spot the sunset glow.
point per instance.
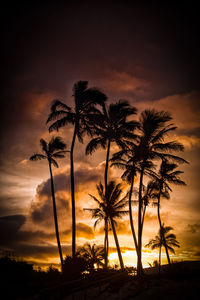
(128, 52)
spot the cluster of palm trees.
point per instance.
(141, 145)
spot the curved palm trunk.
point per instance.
(106, 167)
(159, 258)
(131, 215)
(73, 193)
(117, 244)
(107, 247)
(55, 217)
(161, 230)
(106, 244)
(143, 215)
(106, 188)
(140, 271)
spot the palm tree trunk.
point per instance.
(161, 229)
(106, 188)
(106, 244)
(55, 217)
(73, 193)
(143, 215)
(106, 167)
(140, 271)
(131, 215)
(117, 244)
(159, 258)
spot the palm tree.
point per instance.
(148, 195)
(110, 206)
(152, 145)
(167, 174)
(100, 215)
(93, 253)
(52, 150)
(128, 160)
(164, 238)
(112, 126)
(80, 117)
(130, 167)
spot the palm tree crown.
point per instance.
(154, 130)
(93, 253)
(167, 174)
(112, 125)
(52, 150)
(110, 207)
(85, 100)
(163, 238)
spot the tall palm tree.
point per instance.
(152, 145)
(112, 126)
(128, 163)
(52, 150)
(80, 116)
(110, 206)
(167, 174)
(128, 159)
(164, 238)
(93, 253)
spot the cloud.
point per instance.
(83, 231)
(184, 108)
(189, 142)
(9, 227)
(123, 83)
(194, 228)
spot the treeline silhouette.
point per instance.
(144, 150)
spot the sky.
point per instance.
(145, 53)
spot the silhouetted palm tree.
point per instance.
(52, 150)
(164, 238)
(112, 126)
(126, 160)
(80, 116)
(100, 215)
(147, 196)
(93, 253)
(129, 159)
(152, 146)
(167, 174)
(110, 206)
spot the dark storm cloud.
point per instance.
(62, 181)
(41, 208)
(9, 227)
(11, 234)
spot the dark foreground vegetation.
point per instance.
(20, 281)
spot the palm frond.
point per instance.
(53, 161)
(168, 147)
(94, 144)
(44, 145)
(59, 104)
(37, 156)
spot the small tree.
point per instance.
(93, 254)
(169, 240)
